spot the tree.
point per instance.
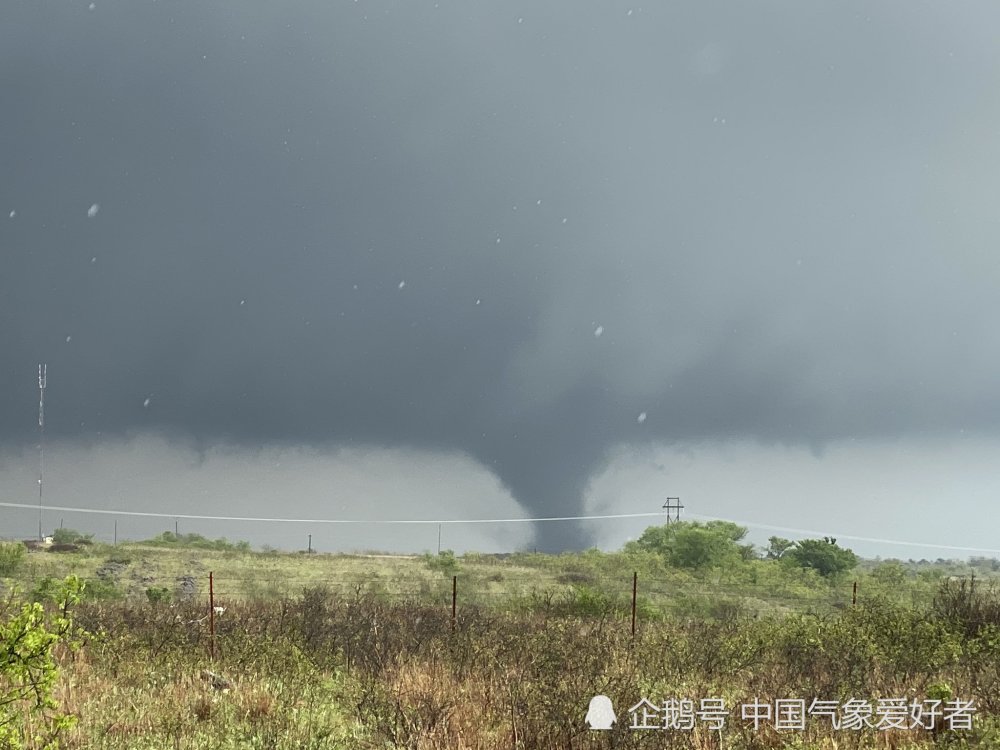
(778, 547)
(822, 555)
(690, 544)
(28, 671)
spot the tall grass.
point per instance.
(329, 670)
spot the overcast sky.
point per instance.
(471, 260)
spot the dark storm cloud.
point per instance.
(403, 223)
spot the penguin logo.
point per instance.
(601, 714)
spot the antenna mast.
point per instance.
(42, 373)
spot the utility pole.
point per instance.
(42, 376)
(673, 504)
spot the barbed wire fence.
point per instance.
(633, 599)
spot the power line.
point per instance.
(330, 520)
(610, 516)
(876, 540)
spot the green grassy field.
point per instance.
(337, 651)
(128, 570)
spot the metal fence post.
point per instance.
(211, 614)
(635, 586)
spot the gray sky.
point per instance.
(492, 235)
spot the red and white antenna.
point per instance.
(42, 374)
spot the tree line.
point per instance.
(696, 545)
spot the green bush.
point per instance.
(11, 558)
(709, 608)
(46, 590)
(98, 589)
(197, 541)
(444, 562)
(587, 601)
(122, 558)
(890, 574)
(71, 536)
(690, 544)
(28, 670)
(158, 594)
(50, 589)
(824, 556)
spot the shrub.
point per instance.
(119, 557)
(47, 590)
(445, 562)
(575, 576)
(587, 601)
(71, 536)
(99, 589)
(690, 544)
(824, 556)
(28, 673)
(158, 594)
(203, 708)
(197, 541)
(890, 574)
(11, 558)
(968, 609)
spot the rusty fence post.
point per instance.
(211, 614)
(454, 600)
(854, 595)
(635, 586)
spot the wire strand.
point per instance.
(455, 521)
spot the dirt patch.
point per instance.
(111, 570)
